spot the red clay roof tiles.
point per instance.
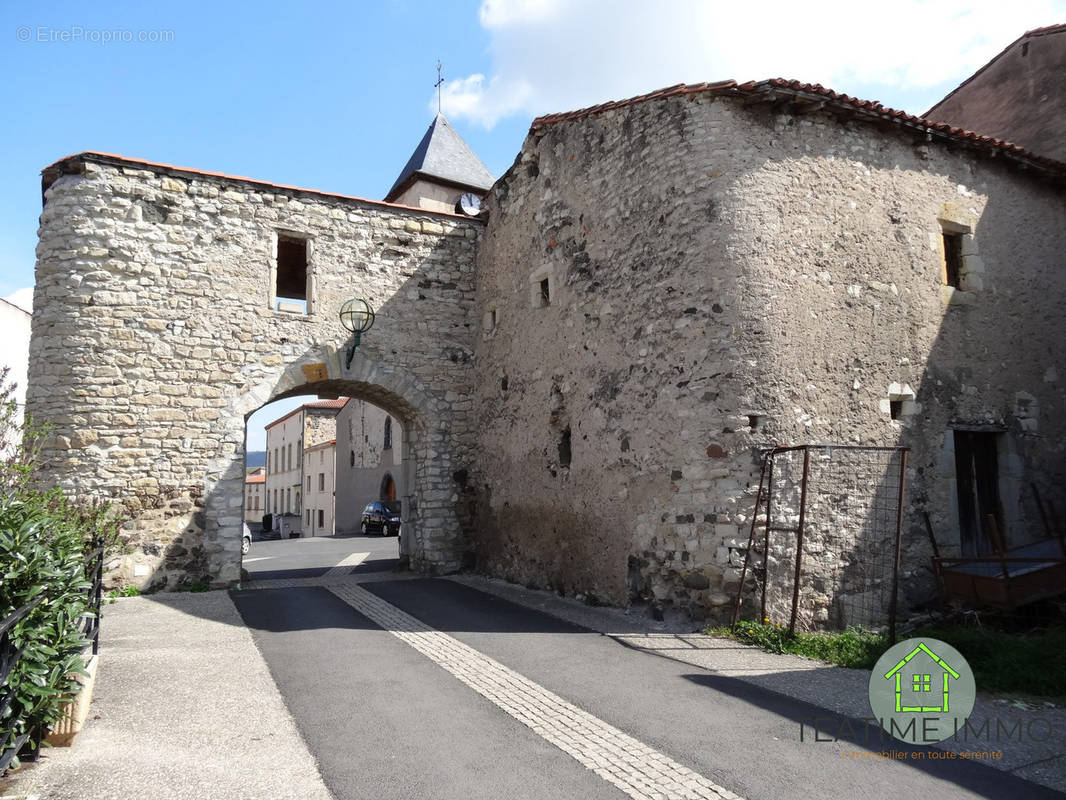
(780, 88)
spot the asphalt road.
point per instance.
(385, 721)
(314, 556)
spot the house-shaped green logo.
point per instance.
(922, 679)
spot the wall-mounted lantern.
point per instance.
(357, 316)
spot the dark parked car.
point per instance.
(379, 518)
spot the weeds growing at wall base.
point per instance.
(1028, 663)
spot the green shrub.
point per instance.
(44, 540)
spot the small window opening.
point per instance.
(492, 319)
(291, 288)
(952, 259)
(387, 445)
(321, 519)
(895, 408)
(753, 421)
(564, 449)
(351, 460)
(545, 293)
(503, 383)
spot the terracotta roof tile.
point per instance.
(259, 477)
(780, 88)
(338, 403)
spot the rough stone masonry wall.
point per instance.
(839, 228)
(153, 338)
(320, 425)
(724, 279)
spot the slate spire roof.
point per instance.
(442, 155)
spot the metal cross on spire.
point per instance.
(440, 80)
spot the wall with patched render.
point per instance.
(153, 338)
(726, 278)
(363, 462)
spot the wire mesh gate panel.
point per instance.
(823, 552)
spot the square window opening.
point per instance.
(895, 408)
(952, 259)
(291, 288)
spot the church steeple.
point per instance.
(440, 170)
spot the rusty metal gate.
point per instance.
(824, 548)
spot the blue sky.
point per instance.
(335, 95)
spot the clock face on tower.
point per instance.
(469, 204)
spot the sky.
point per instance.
(335, 95)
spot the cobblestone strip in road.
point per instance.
(346, 564)
(636, 769)
(325, 581)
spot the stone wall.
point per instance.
(154, 337)
(722, 278)
(363, 462)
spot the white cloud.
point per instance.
(23, 298)
(549, 55)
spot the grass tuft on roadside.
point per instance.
(1029, 663)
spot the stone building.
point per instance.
(254, 495)
(1019, 95)
(586, 377)
(288, 439)
(441, 170)
(319, 485)
(156, 331)
(370, 463)
(15, 333)
(776, 264)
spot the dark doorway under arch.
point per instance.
(388, 488)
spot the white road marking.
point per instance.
(345, 565)
(638, 770)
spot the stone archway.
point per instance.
(148, 401)
(432, 538)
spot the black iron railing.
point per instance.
(94, 571)
(10, 654)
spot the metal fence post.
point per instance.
(892, 608)
(799, 540)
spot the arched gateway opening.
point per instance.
(430, 528)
